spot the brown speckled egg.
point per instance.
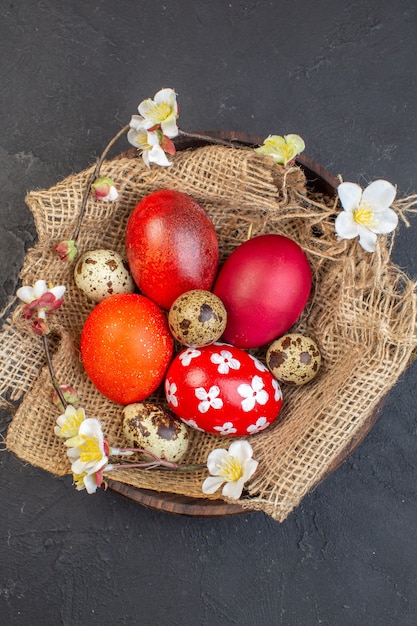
(197, 318)
(154, 428)
(102, 273)
(293, 359)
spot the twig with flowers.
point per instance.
(88, 450)
(152, 133)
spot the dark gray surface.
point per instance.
(341, 74)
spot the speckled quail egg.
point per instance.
(293, 359)
(102, 273)
(197, 318)
(154, 428)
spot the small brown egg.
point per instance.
(293, 359)
(197, 318)
(154, 428)
(102, 273)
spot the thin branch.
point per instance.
(52, 371)
(230, 143)
(94, 176)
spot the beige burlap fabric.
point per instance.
(362, 313)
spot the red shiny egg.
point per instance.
(264, 285)
(223, 390)
(171, 246)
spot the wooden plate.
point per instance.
(320, 180)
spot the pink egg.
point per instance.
(223, 390)
(264, 285)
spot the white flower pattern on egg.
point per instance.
(252, 394)
(225, 361)
(221, 390)
(260, 424)
(277, 389)
(170, 391)
(209, 399)
(226, 429)
(187, 356)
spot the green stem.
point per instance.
(94, 177)
(52, 371)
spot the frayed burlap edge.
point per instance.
(362, 313)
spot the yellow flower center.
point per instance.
(79, 480)
(72, 425)
(160, 112)
(89, 449)
(141, 139)
(230, 469)
(364, 215)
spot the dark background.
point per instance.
(343, 76)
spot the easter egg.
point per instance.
(197, 318)
(102, 273)
(126, 347)
(294, 359)
(264, 285)
(156, 429)
(223, 390)
(171, 246)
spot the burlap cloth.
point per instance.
(362, 313)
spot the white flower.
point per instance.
(68, 423)
(40, 301)
(90, 482)
(149, 143)
(170, 391)
(187, 355)
(34, 294)
(277, 390)
(252, 394)
(226, 429)
(208, 398)
(366, 213)
(225, 361)
(260, 424)
(161, 111)
(283, 150)
(231, 468)
(89, 452)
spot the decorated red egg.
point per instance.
(223, 390)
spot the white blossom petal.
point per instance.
(234, 489)
(211, 484)
(380, 194)
(350, 195)
(241, 449)
(215, 459)
(367, 239)
(58, 291)
(158, 156)
(26, 294)
(345, 225)
(250, 468)
(39, 288)
(388, 221)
